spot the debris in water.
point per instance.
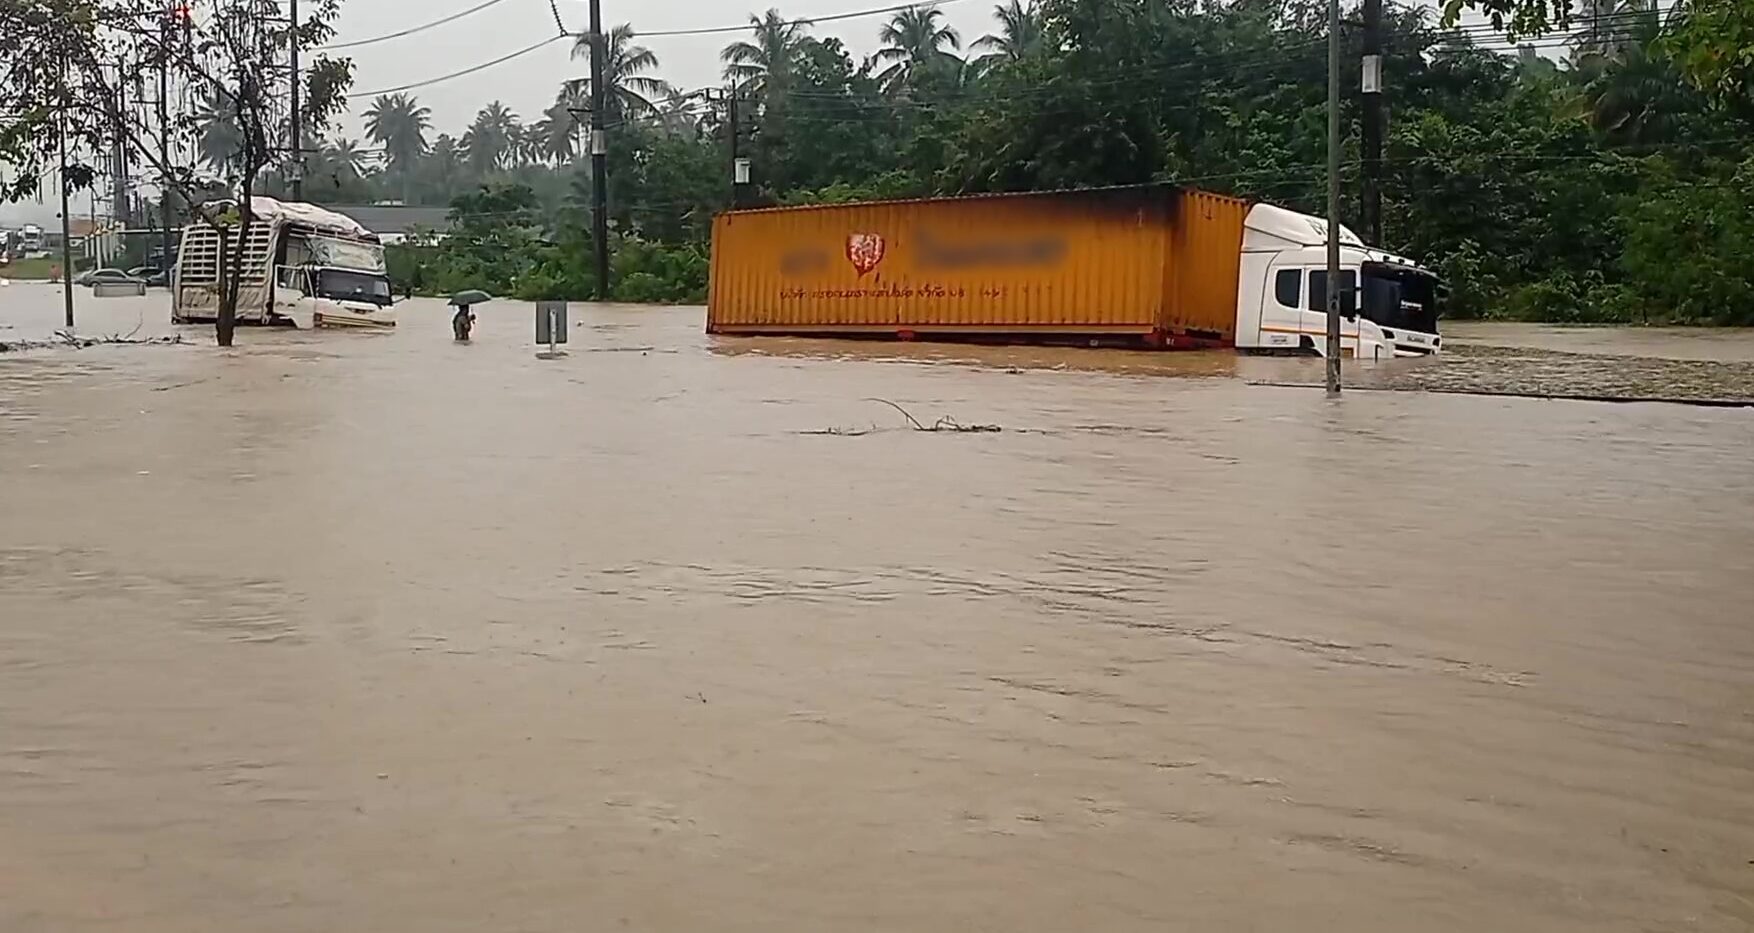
(944, 424)
(64, 338)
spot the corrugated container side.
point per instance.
(1205, 258)
(1032, 265)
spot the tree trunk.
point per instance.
(232, 266)
(224, 320)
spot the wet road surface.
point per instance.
(380, 632)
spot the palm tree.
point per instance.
(1634, 94)
(488, 145)
(335, 170)
(530, 146)
(443, 168)
(1609, 28)
(676, 116)
(558, 130)
(1019, 33)
(764, 62)
(216, 121)
(344, 157)
(628, 88)
(399, 124)
(915, 41)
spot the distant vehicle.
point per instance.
(1150, 265)
(151, 275)
(30, 239)
(92, 277)
(303, 265)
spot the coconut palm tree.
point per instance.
(488, 145)
(442, 171)
(1019, 34)
(532, 144)
(335, 170)
(676, 115)
(344, 157)
(1633, 93)
(764, 62)
(558, 130)
(399, 124)
(1609, 28)
(915, 41)
(216, 121)
(629, 89)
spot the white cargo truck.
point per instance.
(303, 266)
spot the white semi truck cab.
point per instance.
(1390, 304)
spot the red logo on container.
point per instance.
(865, 251)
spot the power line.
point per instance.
(565, 35)
(412, 29)
(803, 21)
(458, 74)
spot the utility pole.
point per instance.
(599, 155)
(737, 163)
(167, 261)
(734, 127)
(119, 150)
(66, 220)
(1333, 198)
(1373, 124)
(297, 167)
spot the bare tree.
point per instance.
(68, 67)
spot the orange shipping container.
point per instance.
(1151, 264)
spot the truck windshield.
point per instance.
(1401, 298)
(345, 285)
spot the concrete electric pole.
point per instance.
(66, 223)
(166, 32)
(1333, 198)
(1373, 125)
(734, 132)
(599, 155)
(297, 166)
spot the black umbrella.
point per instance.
(473, 296)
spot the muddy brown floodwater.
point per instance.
(380, 632)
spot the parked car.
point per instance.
(151, 275)
(94, 276)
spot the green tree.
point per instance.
(442, 173)
(1713, 40)
(559, 126)
(1689, 250)
(217, 122)
(489, 143)
(763, 64)
(399, 123)
(1019, 34)
(838, 127)
(629, 88)
(916, 40)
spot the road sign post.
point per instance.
(551, 325)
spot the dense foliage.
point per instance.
(1597, 174)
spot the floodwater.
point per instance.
(381, 632)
